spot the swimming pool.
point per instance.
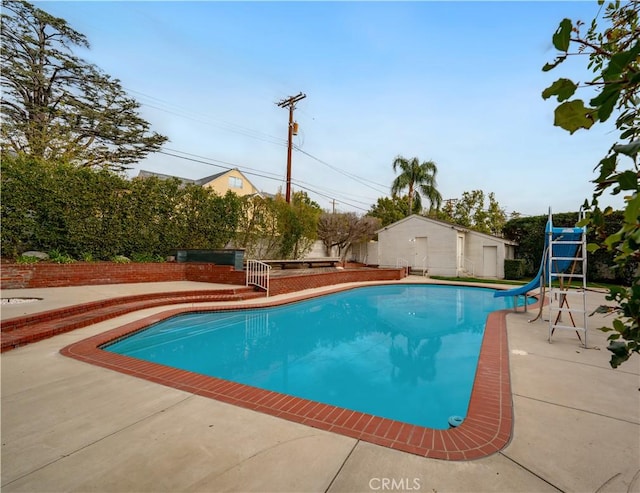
(486, 430)
(403, 352)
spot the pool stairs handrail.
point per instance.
(467, 264)
(425, 266)
(258, 274)
(403, 263)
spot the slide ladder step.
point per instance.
(568, 327)
(567, 310)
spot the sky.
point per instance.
(456, 83)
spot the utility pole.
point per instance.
(450, 203)
(290, 103)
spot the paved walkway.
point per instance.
(70, 426)
(32, 327)
(52, 298)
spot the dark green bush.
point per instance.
(514, 268)
(147, 258)
(59, 257)
(99, 214)
(529, 233)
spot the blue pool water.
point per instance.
(404, 352)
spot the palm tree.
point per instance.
(417, 178)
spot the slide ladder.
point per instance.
(567, 279)
(562, 277)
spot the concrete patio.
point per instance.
(71, 426)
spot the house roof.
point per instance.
(207, 179)
(200, 182)
(446, 224)
(149, 174)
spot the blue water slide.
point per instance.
(533, 284)
(565, 252)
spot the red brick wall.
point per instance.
(224, 274)
(42, 275)
(16, 276)
(282, 285)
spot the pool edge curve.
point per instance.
(486, 429)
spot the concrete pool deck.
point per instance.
(71, 426)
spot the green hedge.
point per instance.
(529, 233)
(98, 214)
(514, 268)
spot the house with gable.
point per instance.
(440, 248)
(233, 180)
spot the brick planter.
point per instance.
(290, 284)
(46, 275)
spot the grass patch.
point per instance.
(483, 281)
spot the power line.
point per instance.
(228, 165)
(342, 172)
(250, 171)
(216, 122)
(332, 198)
(255, 134)
(334, 193)
(248, 132)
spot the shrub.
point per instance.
(27, 259)
(514, 268)
(87, 257)
(59, 257)
(120, 259)
(97, 214)
(147, 258)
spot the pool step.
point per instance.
(24, 330)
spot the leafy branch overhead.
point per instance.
(613, 54)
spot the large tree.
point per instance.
(470, 211)
(417, 178)
(391, 209)
(343, 229)
(55, 105)
(269, 227)
(611, 46)
(297, 223)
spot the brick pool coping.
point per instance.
(486, 429)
